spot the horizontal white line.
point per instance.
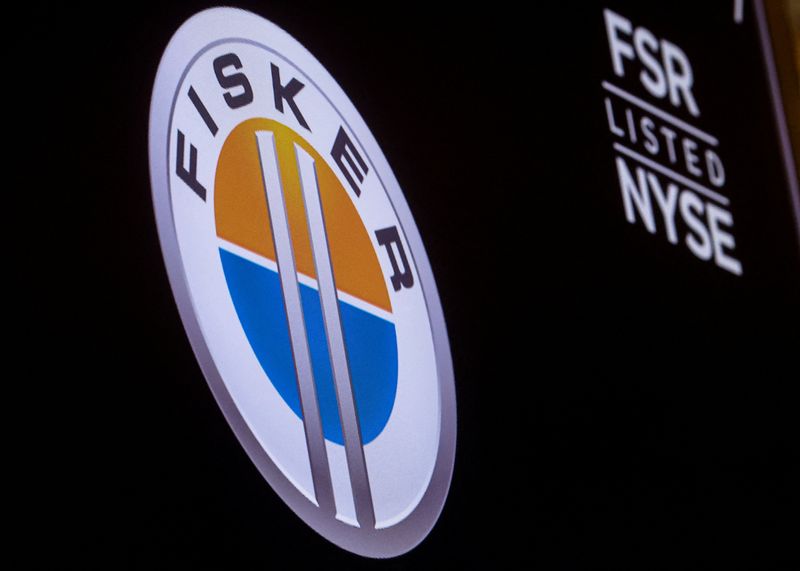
(710, 139)
(672, 174)
(364, 306)
(305, 280)
(248, 255)
(264, 262)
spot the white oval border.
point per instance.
(192, 36)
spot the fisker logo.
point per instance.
(302, 282)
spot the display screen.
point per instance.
(607, 194)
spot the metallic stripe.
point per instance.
(315, 440)
(348, 414)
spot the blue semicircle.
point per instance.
(370, 340)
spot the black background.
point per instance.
(621, 404)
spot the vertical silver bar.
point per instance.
(778, 110)
(315, 439)
(354, 451)
(738, 11)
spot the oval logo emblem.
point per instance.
(302, 282)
